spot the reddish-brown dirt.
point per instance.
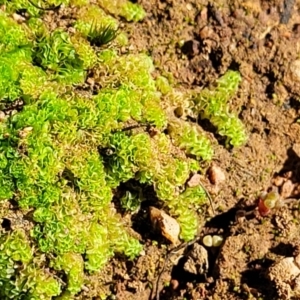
(194, 42)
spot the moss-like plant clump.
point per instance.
(65, 151)
(212, 105)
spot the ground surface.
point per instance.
(197, 41)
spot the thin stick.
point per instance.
(209, 198)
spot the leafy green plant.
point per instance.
(189, 138)
(92, 19)
(100, 35)
(19, 272)
(55, 53)
(85, 52)
(73, 265)
(185, 206)
(130, 201)
(12, 34)
(212, 105)
(65, 151)
(124, 8)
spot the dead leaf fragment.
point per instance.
(167, 225)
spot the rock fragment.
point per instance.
(197, 261)
(286, 275)
(216, 175)
(167, 225)
(194, 181)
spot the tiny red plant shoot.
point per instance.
(269, 201)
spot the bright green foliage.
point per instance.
(66, 152)
(132, 199)
(132, 12)
(99, 35)
(128, 245)
(98, 251)
(79, 3)
(163, 85)
(134, 72)
(85, 52)
(72, 264)
(212, 105)
(15, 5)
(18, 273)
(124, 8)
(32, 10)
(91, 18)
(9, 88)
(12, 34)
(37, 26)
(39, 284)
(189, 138)
(56, 53)
(185, 206)
(128, 155)
(15, 53)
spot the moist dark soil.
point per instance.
(193, 43)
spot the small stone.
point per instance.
(189, 6)
(194, 181)
(197, 261)
(295, 70)
(216, 174)
(71, 30)
(288, 174)
(174, 284)
(296, 191)
(278, 181)
(24, 132)
(167, 225)
(287, 189)
(90, 81)
(206, 32)
(18, 18)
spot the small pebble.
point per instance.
(216, 174)
(167, 225)
(295, 70)
(287, 189)
(194, 181)
(174, 284)
(278, 181)
(18, 18)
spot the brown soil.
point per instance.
(195, 42)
